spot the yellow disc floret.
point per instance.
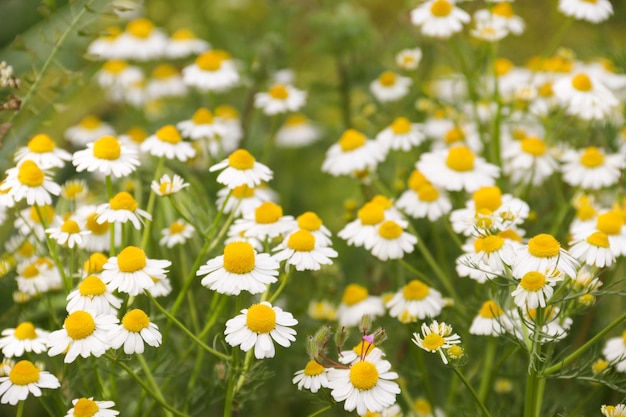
(123, 201)
(592, 157)
(460, 158)
(390, 230)
(85, 407)
(70, 226)
(441, 8)
(582, 82)
(492, 243)
(301, 241)
(309, 221)
(268, 212)
(41, 143)
(79, 325)
(428, 193)
(91, 286)
(364, 375)
(544, 246)
(433, 341)
(387, 78)
(24, 373)
(261, 318)
(108, 148)
(25, 331)
(351, 139)
(401, 126)
(212, 60)
(371, 214)
(239, 257)
(241, 160)
(313, 368)
(599, 239)
(534, 146)
(202, 116)
(610, 223)
(30, 174)
(415, 290)
(169, 134)
(533, 281)
(278, 92)
(489, 197)
(353, 294)
(490, 310)
(131, 259)
(135, 320)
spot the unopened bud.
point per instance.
(366, 323)
(340, 337)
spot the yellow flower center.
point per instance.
(599, 239)
(91, 286)
(313, 368)
(544, 246)
(29, 174)
(454, 135)
(164, 71)
(47, 213)
(95, 262)
(70, 226)
(599, 366)
(73, 189)
(382, 201)
(492, 243)
(25, 331)
(79, 325)
(415, 290)
(428, 193)
(441, 8)
(371, 214)
(226, 112)
(610, 223)
(490, 310)
(279, 92)
(387, 79)
(165, 187)
(85, 407)
(131, 259)
(261, 318)
(296, 120)
(183, 35)
(41, 143)
(135, 320)
(503, 66)
(489, 198)
(115, 66)
(108, 148)
(140, 28)
(363, 375)
(390, 230)
(422, 407)
(624, 337)
(24, 373)
(433, 341)
(401, 125)
(533, 146)
(533, 281)
(94, 227)
(503, 10)
(545, 90)
(351, 140)
(90, 123)
(301, 241)
(169, 134)
(309, 221)
(31, 271)
(212, 60)
(586, 211)
(363, 347)
(239, 257)
(123, 201)
(460, 158)
(137, 134)
(353, 294)
(177, 227)
(243, 191)
(582, 82)
(417, 180)
(268, 213)
(547, 314)
(241, 160)
(26, 250)
(202, 116)
(592, 157)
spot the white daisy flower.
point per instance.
(24, 338)
(92, 294)
(592, 11)
(74, 189)
(69, 232)
(122, 208)
(490, 320)
(493, 253)
(390, 86)
(553, 326)
(543, 253)
(22, 379)
(536, 288)
(161, 288)
(134, 329)
(618, 410)
(529, 160)
(439, 18)
(168, 185)
(365, 226)
(502, 14)
(265, 221)
(84, 333)
(258, 327)
(165, 81)
(132, 272)
(359, 352)
(302, 250)
(31, 220)
(104, 46)
(367, 385)
(414, 301)
(240, 168)
(451, 133)
(167, 142)
(612, 223)
(240, 268)
(592, 168)
(400, 135)
(43, 151)
(141, 41)
(83, 407)
(425, 201)
(213, 70)
(355, 303)
(88, 130)
(228, 117)
(115, 75)
(423, 409)
(585, 97)
(202, 125)
(488, 29)
(313, 377)
(391, 241)
(177, 233)
(243, 199)
(615, 351)
(409, 59)
(183, 43)
(311, 222)
(322, 310)
(37, 276)
(435, 337)
(99, 238)
(595, 250)
(280, 98)
(457, 168)
(353, 152)
(28, 181)
(297, 131)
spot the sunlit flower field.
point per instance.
(313, 208)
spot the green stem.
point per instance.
(415, 271)
(150, 208)
(321, 411)
(244, 371)
(472, 391)
(485, 381)
(151, 381)
(20, 409)
(281, 287)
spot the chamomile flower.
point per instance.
(313, 377)
(37, 276)
(24, 338)
(265, 221)
(415, 300)
(302, 250)
(439, 18)
(87, 407)
(99, 238)
(165, 81)
(183, 43)
(177, 233)
(592, 168)
(141, 41)
(355, 303)
(436, 337)
(550, 325)
(543, 253)
(367, 385)
(161, 288)
(390, 86)
(365, 226)
(74, 189)
(84, 333)
(240, 268)
(585, 97)
(280, 98)
(89, 129)
(457, 168)
(503, 15)
(122, 208)
(92, 294)
(68, 232)
(22, 379)
(423, 408)
(243, 199)
(31, 220)
(535, 288)
(311, 222)
(202, 125)
(529, 160)
(490, 321)
(258, 327)
(104, 46)
(28, 181)
(615, 351)
(134, 330)
(594, 249)
(592, 11)
(213, 70)
(240, 168)
(167, 142)
(400, 135)
(297, 131)
(42, 150)
(132, 272)
(618, 410)
(391, 241)
(228, 117)
(352, 153)
(488, 29)
(409, 59)
(167, 185)
(322, 310)
(115, 75)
